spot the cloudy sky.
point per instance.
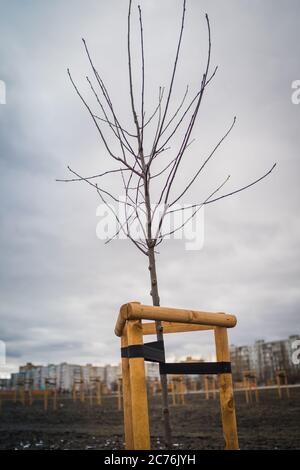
(61, 287)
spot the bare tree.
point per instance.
(136, 160)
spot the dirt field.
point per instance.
(269, 424)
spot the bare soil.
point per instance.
(269, 424)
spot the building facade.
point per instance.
(265, 358)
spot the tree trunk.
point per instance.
(159, 334)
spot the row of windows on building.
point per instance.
(265, 358)
(65, 375)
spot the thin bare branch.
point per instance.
(143, 73)
(118, 170)
(186, 138)
(176, 112)
(131, 92)
(97, 126)
(114, 125)
(243, 187)
(197, 208)
(104, 91)
(204, 163)
(160, 94)
(173, 73)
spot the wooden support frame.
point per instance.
(98, 392)
(50, 390)
(281, 374)
(119, 391)
(131, 329)
(178, 389)
(250, 384)
(210, 386)
(95, 389)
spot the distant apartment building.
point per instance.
(63, 376)
(152, 370)
(265, 357)
(112, 373)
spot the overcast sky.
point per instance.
(61, 287)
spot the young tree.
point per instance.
(146, 173)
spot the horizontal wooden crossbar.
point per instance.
(169, 327)
(137, 311)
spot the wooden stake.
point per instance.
(82, 396)
(127, 410)
(139, 402)
(281, 374)
(99, 398)
(46, 399)
(90, 394)
(214, 388)
(226, 392)
(173, 388)
(54, 399)
(182, 390)
(286, 385)
(74, 392)
(206, 387)
(119, 394)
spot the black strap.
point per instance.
(195, 368)
(153, 352)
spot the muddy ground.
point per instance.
(269, 424)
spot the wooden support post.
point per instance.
(173, 388)
(286, 386)
(139, 402)
(246, 388)
(54, 399)
(249, 389)
(82, 396)
(214, 388)
(181, 384)
(278, 386)
(206, 387)
(90, 394)
(129, 445)
(281, 374)
(22, 395)
(46, 399)
(226, 392)
(256, 390)
(119, 394)
(98, 392)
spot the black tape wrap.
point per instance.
(155, 352)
